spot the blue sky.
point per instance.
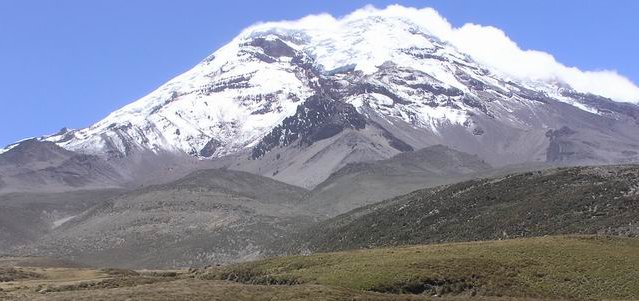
(71, 62)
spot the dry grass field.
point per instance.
(547, 268)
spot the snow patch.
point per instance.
(62, 221)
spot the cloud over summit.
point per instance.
(491, 47)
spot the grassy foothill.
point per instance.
(570, 267)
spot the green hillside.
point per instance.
(566, 267)
(576, 200)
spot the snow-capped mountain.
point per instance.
(286, 98)
(229, 100)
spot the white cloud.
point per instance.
(489, 46)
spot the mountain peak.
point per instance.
(365, 86)
(490, 46)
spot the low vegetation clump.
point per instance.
(119, 272)
(571, 267)
(118, 282)
(9, 274)
(248, 275)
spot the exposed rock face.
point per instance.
(209, 149)
(603, 105)
(317, 119)
(560, 148)
(273, 48)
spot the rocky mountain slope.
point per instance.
(296, 101)
(40, 165)
(208, 217)
(586, 200)
(359, 184)
(27, 217)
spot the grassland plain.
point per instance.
(564, 267)
(544, 268)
